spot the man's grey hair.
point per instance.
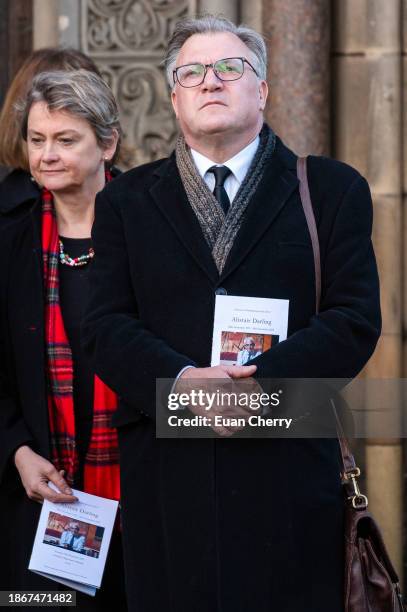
(81, 93)
(214, 25)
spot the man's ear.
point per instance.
(174, 102)
(263, 93)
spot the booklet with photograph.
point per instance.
(245, 327)
(72, 541)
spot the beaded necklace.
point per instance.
(82, 260)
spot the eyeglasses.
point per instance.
(227, 69)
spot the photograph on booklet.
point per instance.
(78, 536)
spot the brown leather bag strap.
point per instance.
(348, 459)
(312, 226)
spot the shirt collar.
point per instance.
(238, 164)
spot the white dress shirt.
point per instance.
(238, 164)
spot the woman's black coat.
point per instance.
(23, 403)
(23, 408)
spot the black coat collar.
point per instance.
(170, 197)
(278, 183)
(16, 189)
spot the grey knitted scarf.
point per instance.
(220, 230)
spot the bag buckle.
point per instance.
(359, 501)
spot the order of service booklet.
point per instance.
(245, 327)
(72, 541)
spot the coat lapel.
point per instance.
(277, 185)
(31, 282)
(169, 196)
(36, 219)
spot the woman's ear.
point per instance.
(110, 150)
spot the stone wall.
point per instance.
(367, 122)
(127, 40)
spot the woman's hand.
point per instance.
(35, 473)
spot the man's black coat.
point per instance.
(229, 524)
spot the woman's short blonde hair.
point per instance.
(80, 93)
(12, 147)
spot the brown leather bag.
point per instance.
(371, 583)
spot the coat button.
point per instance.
(221, 291)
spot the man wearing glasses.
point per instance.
(229, 524)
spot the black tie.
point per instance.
(221, 173)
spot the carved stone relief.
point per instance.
(127, 40)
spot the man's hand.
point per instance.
(35, 473)
(215, 374)
(220, 371)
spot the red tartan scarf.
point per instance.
(101, 470)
